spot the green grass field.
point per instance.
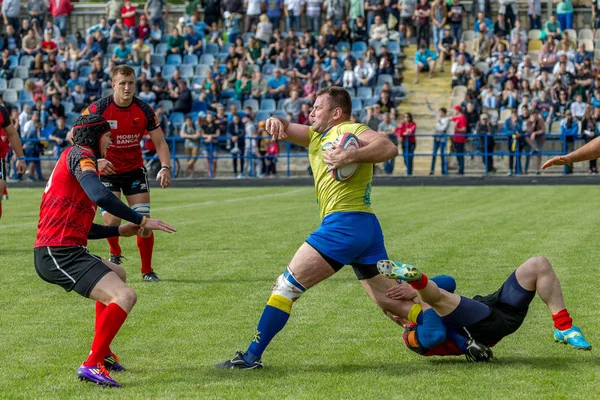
(218, 269)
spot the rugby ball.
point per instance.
(349, 142)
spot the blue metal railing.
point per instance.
(476, 145)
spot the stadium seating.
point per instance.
(174, 59)
(10, 96)
(253, 104)
(21, 72)
(268, 105)
(16, 83)
(207, 59)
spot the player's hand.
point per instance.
(21, 166)
(164, 177)
(558, 160)
(275, 128)
(105, 167)
(130, 229)
(336, 156)
(401, 292)
(158, 225)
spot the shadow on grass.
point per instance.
(557, 362)
(218, 281)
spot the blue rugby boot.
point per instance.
(403, 272)
(573, 337)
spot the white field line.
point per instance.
(203, 203)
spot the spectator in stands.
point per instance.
(581, 56)
(509, 9)
(335, 10)
(182, 98)
(192, 135)
(156, 11)
(513, 128)
(548, 57)
(406, 131)
(12, 41)
(459, 138)
(385, 103)
(387, 128)
(55, 110)
(553, 28)
(212, 11)
(439, 141)
(232, 25)
(535, 136)
(364, 73)
(78, 98)
(258, 86)
(264, 30)
(56, 86)
(11, 13)
(243, 88)
(370, 119)
(122, 54)
(31, 44)
(313, 15)
(236, 144)
(374, 8)
(118, 32)
(192, 41)
(32, 132)
(564, 12)
(569, 130)
(329, 31)
(72, 81)
(378, 31)
(424, 61)
(578, 107)
(518, 34)
(481, 6)
(103, 27)
(359, 31)
(482, 46)
(101, 40)
(60, 11)
(92, 88)
(128, 12)
(292, 105)
(438, 22)
(140, 51)
(37, 10)
(175, 43)
(509, 96)
(210, 141)
(446, 47)
(486, 131)
(534, 11)
(407, 19)
(143, 29)
(501, 27)
(456, 12)
(89, 52)
(113, 11)
(59, 136)
(460, 71)
(565, 48)
(423, 18)
(348, 77)
(484, 23)
(5, 66)
(589, 129)
(147, 95)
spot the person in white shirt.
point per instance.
(348, 77)
(461, 70)
(578, 108)
(439, 142)
(378, 31)
(253, 11)
(363, 72)
(570, 65)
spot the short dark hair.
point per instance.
(443, 110)
(339, 98)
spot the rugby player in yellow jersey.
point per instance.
(349, 233)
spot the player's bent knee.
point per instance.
(126, 298)
(285, 292)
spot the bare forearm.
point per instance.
(296, 133)
(378, 150)
(13, 139)
(590, 151)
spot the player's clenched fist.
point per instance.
(275, 128)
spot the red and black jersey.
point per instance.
(128, 126)
(66, 212)
(4, 122)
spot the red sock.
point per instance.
(146, 246)
(562, 320)
(108, 325)
(0, 209)
(419, 284)
(5, 191)
(115, 248)
(100, 307)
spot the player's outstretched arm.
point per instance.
(164, 155)
(106, 231)
(374, 148)
(104, 198)
(589, 151)
(281, 129)
(15, 143)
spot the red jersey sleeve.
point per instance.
(152, 121)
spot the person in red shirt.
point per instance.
(128, 15)
(9, 137)
(48, 46)
(460, 137)
(406, 132)
(61, 257)
(123, 169)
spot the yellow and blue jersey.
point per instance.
(352, 195)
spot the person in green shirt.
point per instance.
(552, 28)
(243, 88)
(176, 43)
(191, 7)
(255, 53)
(564, 11)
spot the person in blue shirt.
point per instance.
(73, 80)
(424, 61)
(200, 27)
(102, 27)
(122, 54)
(581, 55)
(192, 41)
(569, 130)
(482, 19)
(336, 72)
(513, 128)
(277, 85)
(274, 8)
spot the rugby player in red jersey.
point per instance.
(8, 137)
(67, 211)
(123, 171)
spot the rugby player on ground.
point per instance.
(349, 233)
(66, 223)
(484, 319)
(123, 171)
(8, 138)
